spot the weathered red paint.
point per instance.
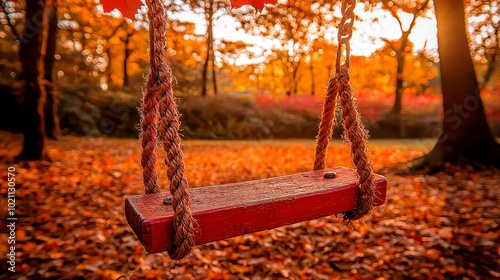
(230, 210)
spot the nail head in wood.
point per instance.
(167, 200)
(329, 175)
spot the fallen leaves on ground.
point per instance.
(71, 223)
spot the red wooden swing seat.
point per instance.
(229, 210)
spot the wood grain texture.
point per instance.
(229, 210)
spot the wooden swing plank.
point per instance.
(229, 210)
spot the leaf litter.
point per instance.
(71, 222)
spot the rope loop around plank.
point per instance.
(160, 118)
(354, 131)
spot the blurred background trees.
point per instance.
(294, 40)
(276, 63)
(483, 19)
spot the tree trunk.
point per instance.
(126, 56)
(313, 84)
(295, 79)
(53, 127)
(401, 51)
(491, 66)
(400, 66)
(398, 98)
(125, 70)
(204, 74)
(109, 69)
(210, 44)
(214, 75)
(466, 135)
(34, 92)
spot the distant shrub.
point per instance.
(301, 105)
(229, 117)
(99, 113)
(92, 112)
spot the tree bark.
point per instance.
(214, 74)
(294, 79)
(466, 137)
(210, 51)
(109, 68)
(313, 84)
(126, 57)
(53, 127)
(125, 63)
(34, 92)
(398, 96)
(401, 52)
(204, 74)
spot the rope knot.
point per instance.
(344, 75)
(160, 117)
(354, 132)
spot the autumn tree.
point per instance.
(320, 60)
(211, 10)
(401, 47)
(51, 115)
(128, 49)
(48, 47)
(419, 70)
(483, 19)
(125, 43)
(90, 45)
(297, 25)
(237, 75)
(37, 46)
(186, 55)
(96, 48)
(32, 52)
(210, 54)
(79, 47)
(466, 135)
(107, 36)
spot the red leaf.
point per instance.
(257, 4)
(128, 8)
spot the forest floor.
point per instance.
(70, 220)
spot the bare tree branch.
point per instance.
(390, 43)
(393, 13)
(417, 14)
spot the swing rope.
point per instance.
(160, 119)
(355, 133)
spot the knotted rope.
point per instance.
(356, 135)
(159, 113)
